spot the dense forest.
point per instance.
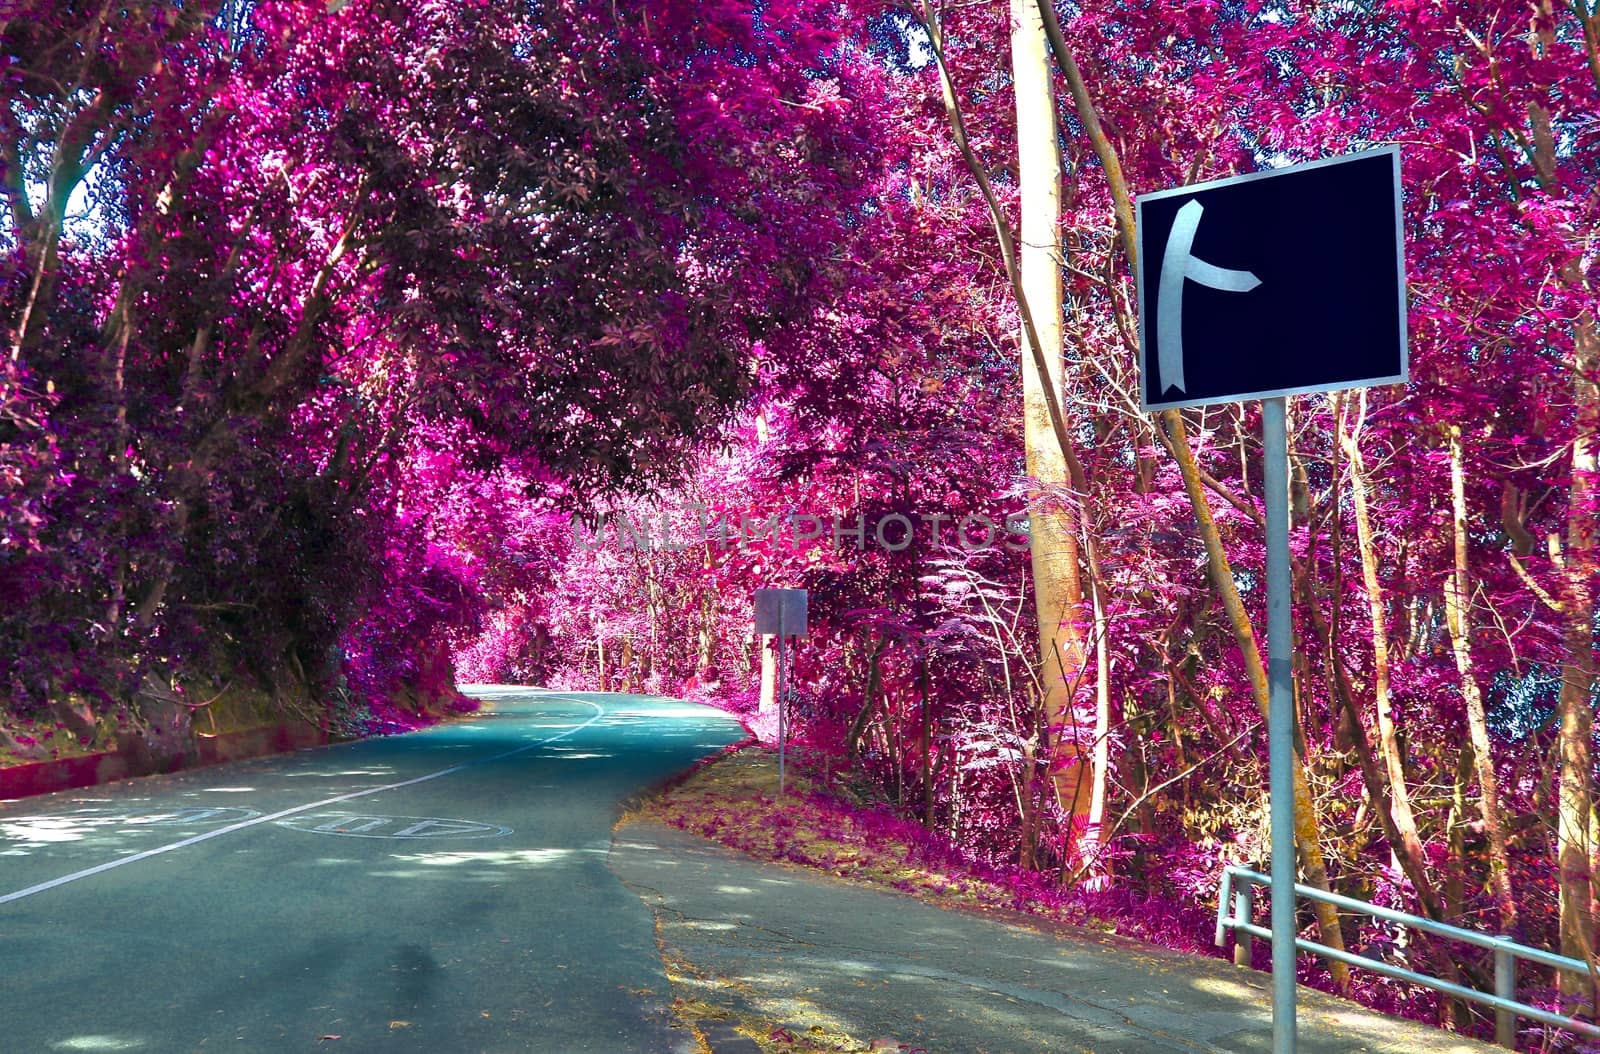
(359, 347)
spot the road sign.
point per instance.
(781, 611)
(1273, 283)
(1260, 287)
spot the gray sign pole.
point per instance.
(782, 730)
(1280, 720)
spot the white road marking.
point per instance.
(333, 826)
(220, 831)
(193, 814)
(452, 829)
(361, 825)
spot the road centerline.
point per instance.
(184, 843)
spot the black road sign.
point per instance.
(1273, 283)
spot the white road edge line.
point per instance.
(148, 853)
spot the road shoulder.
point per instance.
(838, 965)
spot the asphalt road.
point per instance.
(457, 890)
(444, 891)
(788, 945)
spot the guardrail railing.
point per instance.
(1235, 910)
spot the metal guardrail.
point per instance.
(1236, 892)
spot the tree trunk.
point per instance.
(895, 725)
(1458, 606)
(925, 689)
(1405, 820)
(1453, 1012)
(1053, 543)
(1028, 809)
(1307, 829)
(869, 700)
(767, 701)
(707, 638)
(1575, 809)
(1090, 846)
(1579, 567)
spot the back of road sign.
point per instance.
(781, 611)
(1273, 283)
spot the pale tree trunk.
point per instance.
(767, 702)
(1458, 605)
(706, 638)
(1043, 358)
(1388, 737)
(1307, 828)
(1053, 543)
(1090, 846)
(1575, 844)
(1028, 799)
(653, 610)
(924, 686)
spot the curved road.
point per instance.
(441, 891)
(458, 891)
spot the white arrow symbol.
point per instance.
(1176, 265)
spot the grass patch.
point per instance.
(826, 824)
(24, 741)
(828, 827)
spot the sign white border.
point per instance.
(1400, 283)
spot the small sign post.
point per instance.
(781, 612)
(1259, 287)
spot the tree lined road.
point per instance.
(440, 891)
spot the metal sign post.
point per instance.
(783, 731)
(1280, 719)
(1230, 273)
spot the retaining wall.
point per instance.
(88, 770)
